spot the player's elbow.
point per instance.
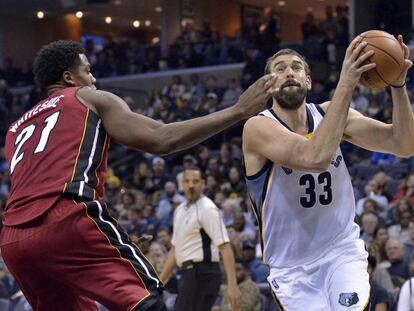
(406, 149)
(166, 145)
(405, 152)
(319, 165)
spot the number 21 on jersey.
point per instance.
(25, 135)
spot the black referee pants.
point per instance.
(198, 287)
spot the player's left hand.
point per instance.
(235, 297)
(407, 62)
(143, 241)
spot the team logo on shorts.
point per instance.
(275, 285)
(348, 299)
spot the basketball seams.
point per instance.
(388, 54)
(375, 69)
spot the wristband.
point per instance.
(398, 86)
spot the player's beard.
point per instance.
(291, 95)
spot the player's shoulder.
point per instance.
(93, 98)
(259, 124)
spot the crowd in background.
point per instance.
(143, 190)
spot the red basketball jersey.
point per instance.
(58, 147)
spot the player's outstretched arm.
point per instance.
(140, 132)
(262, 137)
(396, 138)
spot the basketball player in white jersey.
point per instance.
(301, 188)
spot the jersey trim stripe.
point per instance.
(262, 170)
(88, 167)
(80, 145)
(320, 110)
(101, 159)
(277, 301)
(309, 118)
(92, 147)
(119, 240)
(267, 183)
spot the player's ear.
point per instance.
(67, 77)
(308, 82)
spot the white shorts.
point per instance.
(338, 281)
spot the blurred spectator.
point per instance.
(398, 269)
(394, 213)
(269, 33)
(406, 190)
(160, 176)
(309, 28)
(369, 223)
(169, 195)
(231, 95)
(409, 246)
(235, 241)
(380, 299)
(202, 156)
(372, 190)
(254, 68)
(212, 188)
(329, 23)
(164, 237)
(258, 271)
(377, 248)
(10, 73)
(317, 95)
(157, 255)
(142, 178)
(239, 224)
(175, 89)
(406, 298)
(400, 231)
(250, 292)
(359, 101)
(6, 98)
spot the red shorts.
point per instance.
(76, 254)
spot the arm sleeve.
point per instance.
(213, 225)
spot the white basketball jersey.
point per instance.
(302, 215)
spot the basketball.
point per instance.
(389, 57)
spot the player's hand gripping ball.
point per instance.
(388, 55)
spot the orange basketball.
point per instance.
(389, 57)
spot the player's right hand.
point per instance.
(254, 99)
(353, 65)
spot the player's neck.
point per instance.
(54, 88)
(296, 119)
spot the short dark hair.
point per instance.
(54, 59)
(195, 168)
(286, 52)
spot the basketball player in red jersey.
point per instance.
(58, 240)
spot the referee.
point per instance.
(198, 236)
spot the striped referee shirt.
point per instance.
(198, 230)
